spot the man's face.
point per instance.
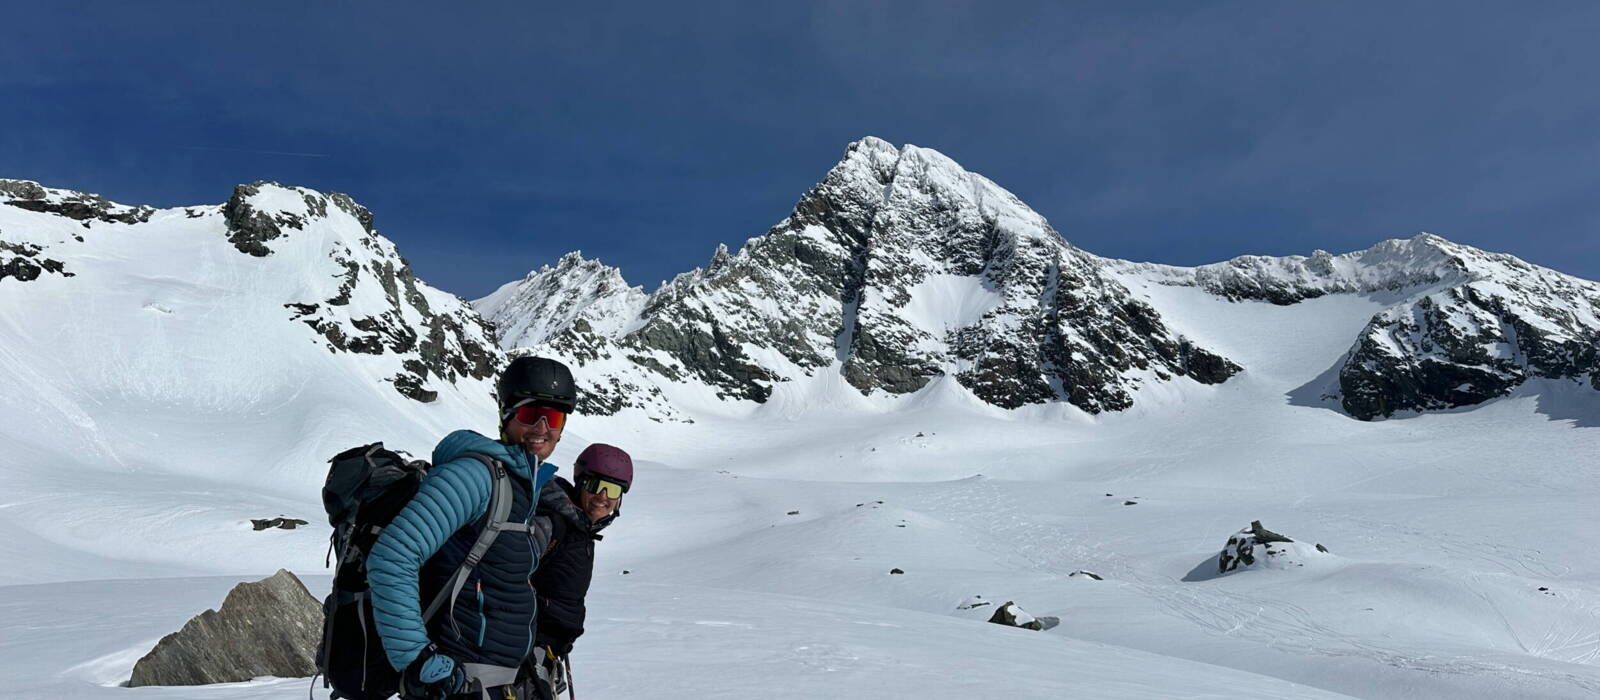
(538, 439)
(597, 505)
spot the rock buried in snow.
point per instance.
(1011, 615)
(971, 602)
(1257, 546)
(280, 523)
(1080, 573)
(267, 628)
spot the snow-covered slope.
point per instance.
(191, 368)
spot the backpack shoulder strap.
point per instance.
(495, 517)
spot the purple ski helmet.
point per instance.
(604, 460)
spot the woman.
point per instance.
(574, 514)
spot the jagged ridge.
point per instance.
(858, 278)
(372, 304)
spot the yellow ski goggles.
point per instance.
(594, 483)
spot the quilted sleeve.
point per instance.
(453, 495)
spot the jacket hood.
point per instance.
(462, 441)
(559, 498)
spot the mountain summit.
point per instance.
(898, 268)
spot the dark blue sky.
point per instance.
(489, 138)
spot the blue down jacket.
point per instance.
(492, 621)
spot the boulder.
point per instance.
(267, 628)
(1011, 615)
(1258, 547)
(279, 523)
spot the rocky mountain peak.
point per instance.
(260, 212)
(899, 267)
(532, 310)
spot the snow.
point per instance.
(953, 301)
(153, 404)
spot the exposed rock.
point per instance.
(78, 206)
(1256, 544)
(1469, 325)
(266, 628)
(1470, 343)
(1390, 266)
(445, 343)
(896, 571)
(1012, 615)
(1085, 574)
(25, 260)
(250, 229)
(22, 262)
(280, 523)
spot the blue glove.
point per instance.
(432, 675)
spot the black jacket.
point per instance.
(566, 566)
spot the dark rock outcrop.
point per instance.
(1011, 615)
(280, 523)
(1466, 325)
(23, 262)
(266, 628)
(78, 206)
(1470, 343)
(445, 344)
(1241, 547)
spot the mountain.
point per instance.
(900, 267)
(1465, 325)
(344, 282)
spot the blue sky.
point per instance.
(490, 138)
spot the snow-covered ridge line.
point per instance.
(852, 283)
(321, 263)
(1392, 265)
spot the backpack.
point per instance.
(367, 487)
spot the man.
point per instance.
(473, 645)
(575, 513)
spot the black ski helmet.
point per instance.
(539, 378)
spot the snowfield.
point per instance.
(159, 399)
(1441, 528)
